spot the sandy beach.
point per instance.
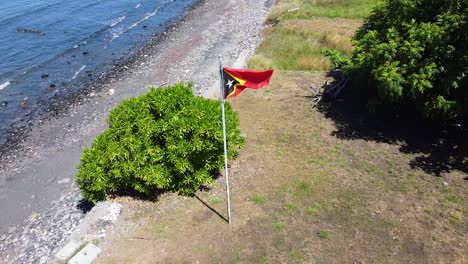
(39, 200)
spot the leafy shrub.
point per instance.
(415, 55)
(167, 140)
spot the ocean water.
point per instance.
(52, 46)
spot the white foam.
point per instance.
(147, 16)
(116, 21)
(137, 6)
(115, 33)
(3, 85)
(78, 72)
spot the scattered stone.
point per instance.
(446, 184)
(113, 213)
(23, 103)
(11, 229)
(293, 10)
(34, 31)
(63, 181)
(4, 103)
(85, 52)
(33, 216)
(52, 86)
(111, 92)
(43, 76)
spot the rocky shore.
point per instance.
(41, 205)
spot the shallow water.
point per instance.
(48, 47)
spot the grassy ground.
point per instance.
(302, 192)
(302, 195)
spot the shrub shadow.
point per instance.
(437, 149)
(84, 206)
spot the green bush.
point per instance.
(165, 140)
(414, 55)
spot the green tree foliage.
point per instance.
(415, 53)
(167, 140)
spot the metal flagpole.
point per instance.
(224, 136)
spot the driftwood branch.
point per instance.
(330, 91)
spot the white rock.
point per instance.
(113, 213)
(86, 256)
(111, 92)
(67, 251)
(63, 181)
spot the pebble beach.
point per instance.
(41, 204)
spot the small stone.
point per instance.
(85, 52)
(43, 76)
(63, 181)
(111, 92)
(446, 184)
(4, 103)
(32, 216)
(11, 229)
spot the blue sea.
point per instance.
(52, 46)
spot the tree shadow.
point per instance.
(437, 149)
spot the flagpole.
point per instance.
(224, 137)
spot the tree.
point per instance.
(414, 54)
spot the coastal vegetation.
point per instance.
(165, 140)
(325, 184)
(413, 56)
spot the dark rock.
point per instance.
(34, 31)
(4, 103)
(44, 75)
(52, 86)
(85, 52)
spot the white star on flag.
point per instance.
(230, 83)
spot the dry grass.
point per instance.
(306, 63)
(306, 9)
(332, 33)
(298, 44)
(302, 195)
(300, 30)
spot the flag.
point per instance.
(236, 80)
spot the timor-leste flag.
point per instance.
(236, 80)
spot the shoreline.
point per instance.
(57, 105)
(38, 181)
